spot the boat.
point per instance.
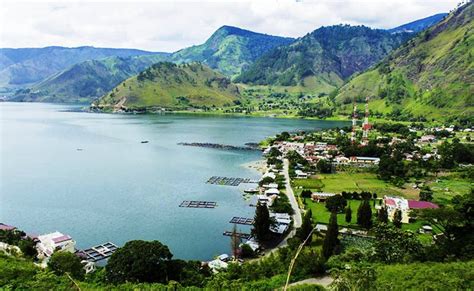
(144, 141)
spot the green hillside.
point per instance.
(430, 77)
(230, 49)
(323, 59)
(172, 86)
(88, 80)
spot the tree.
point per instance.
(261, 224)
(28, 247)
(364, 215)
(66, 262)
(336, 203)
(397, 218)
(139, 261)
(348, 214)
(393, 245)
(382, 215)
(324, 166)
(331, 240)
(235, 242)
(306, 227)
(426, 194)
(247, 251)
(306, 193)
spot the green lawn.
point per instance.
(321, 214)
(336, 183)
(447, 187)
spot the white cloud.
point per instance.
(172, 25)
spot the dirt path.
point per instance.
(323, 281)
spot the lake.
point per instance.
(88, 175)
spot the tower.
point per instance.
(354, 122)
(366, 125)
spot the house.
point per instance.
(252, 243)
(271, 186)
(392, 203)
(6, 227)
(300, 174)
(269, 175)
(365, 160)
(282, 222)
(51, 242)
(272, 191)
(321, 196)
(428, 138)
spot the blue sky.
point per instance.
(172, 25)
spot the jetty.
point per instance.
(98, 252)
(239, 234)
(227, 181)
(241, 220)
(198, 204)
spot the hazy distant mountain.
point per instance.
(431, 76)
(323, 58)
(172, 86)
(420, 24)
(230, 49)
(88, 80)
(23, 66)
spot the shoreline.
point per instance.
(259, 166)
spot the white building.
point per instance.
(51, 242)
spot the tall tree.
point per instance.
(426, 194)
(261, 224)
(235, 242)
(306, 227)
(139, 261)
(382, 215)
(331, 240)
(348, 214)
(397, 218)
(336, 203)
(66, 262)
(364, 215)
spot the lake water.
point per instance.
(118, 189)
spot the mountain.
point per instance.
(430, 77)
(420, 24)
(88, 80)
(324, 58)
(230, 49)
(174, 86)
(25, 66)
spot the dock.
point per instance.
(239, 234)
(227, 181)
(99, 252)
(198, 204)
(241, 220)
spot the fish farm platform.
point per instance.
(226, 181)
(99, 252)
(239, 234)
(241, 220)
(198, 204)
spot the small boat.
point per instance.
(251, 190)
(144, 141)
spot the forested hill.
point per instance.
(23, 66)
(172, 86)
(88, 80)
(431, 76)
(230, 49)
(325, 57)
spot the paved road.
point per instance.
(289, 192)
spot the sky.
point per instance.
(171, 25)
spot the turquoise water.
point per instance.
(118, 189)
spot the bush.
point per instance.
(66, 262)
(336, 203)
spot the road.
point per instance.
(291, 195)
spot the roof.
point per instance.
(6, 227)
(62, 238)
(272, 191)
(414, 204)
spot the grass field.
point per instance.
(336, 183)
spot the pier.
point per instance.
(241, 220)
(198, 204)
(226, 181)
(239, 234)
